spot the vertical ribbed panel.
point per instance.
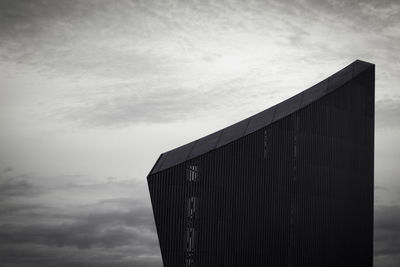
(298, 192)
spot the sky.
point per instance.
(91, 92)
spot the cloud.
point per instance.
(16, 186)
(120, 63)
(114, 228)
(38, 256)
(387, 236)
(162, 104)
(8, 169)
(388, 112)
(117, 230)
(130, 62)
(94, 230)
(380, 188)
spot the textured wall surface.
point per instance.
(296, 192)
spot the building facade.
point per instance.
(290, 186)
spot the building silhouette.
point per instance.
(290, 186)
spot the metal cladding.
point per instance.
(289, 186)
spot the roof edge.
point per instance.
(264, 118)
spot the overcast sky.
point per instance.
(91, 92)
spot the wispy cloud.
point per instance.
(135, 61)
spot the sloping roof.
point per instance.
(259, 120)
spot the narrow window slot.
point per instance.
(192, 203)
(192, 173)
(190, 242)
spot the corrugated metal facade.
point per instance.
(296, 192)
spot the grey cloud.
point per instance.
(165, 103)
(387, 236)
(13, 211)
(98, 236)
(38, 256)
(97, 230)
(16, 186)
(160, 106)
(7, 169)
(103, 236)
(380, 188)
(134, 42)
(388, 112)
(124, 62)
(57, 36)
(356, 11)
(114, 231)
(49, 28)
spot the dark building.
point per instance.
(290, 186)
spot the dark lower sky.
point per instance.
(91, 92)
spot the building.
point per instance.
(290, 186)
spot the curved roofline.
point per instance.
(261, 119)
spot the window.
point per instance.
(190, 243)
(266, 142)
(189, 263)
(192, 173)
(191, 208)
